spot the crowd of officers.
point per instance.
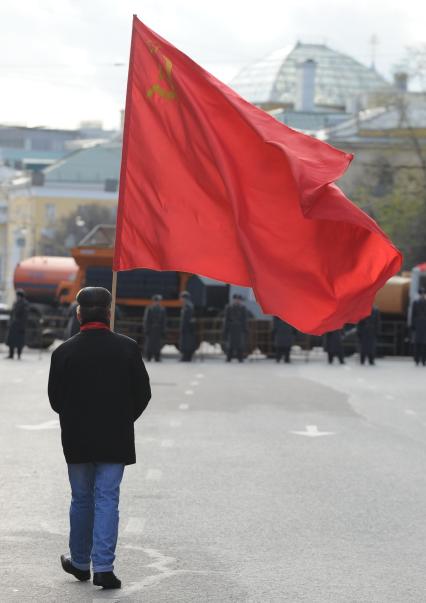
(235, 331)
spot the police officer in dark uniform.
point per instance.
(334, 346)
(235, 328)
(367, 330)
(418, 325)
(73, 325)
(187, 329)
(283, 338)
(17, 325)
(154, 324)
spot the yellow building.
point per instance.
(36, 207)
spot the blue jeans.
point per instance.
(95, 489)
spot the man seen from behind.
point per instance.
(99, 386)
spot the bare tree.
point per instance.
(74, 227)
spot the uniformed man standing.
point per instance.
(235, 328)
(73, 325)
(367, 330)
(334, 346)
(154, 325)
(418, 324)
(282, 337)
(187, 330)
(17, 325)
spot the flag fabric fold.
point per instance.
(214, 186)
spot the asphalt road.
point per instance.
(254, 483)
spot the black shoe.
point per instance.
(68, 567)
(106, 580)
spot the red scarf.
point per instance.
(90, 326)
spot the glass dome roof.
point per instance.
(272, 80)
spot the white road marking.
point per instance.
(135, 525)
(161, 563)
(174, 423)
(312, 432)
(154, 475)
(199, 376)
(167, 443)
(53, 424)
(183, 406)
(194, 383)
(189, 392)
(389, 397)
(17, 380)
(408, 411)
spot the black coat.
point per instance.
(333, 343)
(235, 327)
(73, 325)
(17, 324)
(367, 330)
(99, 386)
(154, 327)
(187, 330)
(418, 321)
(282, 333)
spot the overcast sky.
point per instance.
(62, 61)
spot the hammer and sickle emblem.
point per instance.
(164, 76)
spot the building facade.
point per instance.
(32, 210)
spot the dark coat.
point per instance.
(187, 332)
(333, 343)
(99, 386)
(367, 330)
(17, 324)
(235, 327)
(282, 333)
(418, 321)
(154, 326)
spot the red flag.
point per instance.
(214, 186)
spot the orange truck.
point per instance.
(135, 288)
(52, 283)
(45, 279)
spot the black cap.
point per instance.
(94, 297)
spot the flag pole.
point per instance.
(122, 177)
(114, 296)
